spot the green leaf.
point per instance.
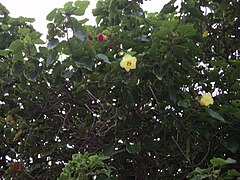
(160, 72)
(81, 7)
(17, 68)
(187, 30)
(57, 70)
(16, 46)
(172, 93)
(217, 162)
(108, 150)
(234, 62)
(80, 35)
(24, 31)
(38, 41)
(50, 60)
(64, 47)
(67, 73)
(236, 103)
(220, 162)
(90, 49)
(184, 103)
(35, 35)
(31, 71)
(20, 20)
(68, 7)
(121, 112)
(233, 172)
(103, 57)
(33, 50)
(52, 14)
(230, 161)
(85, 62)
(199, 170)
(4, 52)
(133, 148)
(235, 86)
(215, 115)
(219, 63)
(3, 10)
(169, 7)
(52, 43)
(186, 65)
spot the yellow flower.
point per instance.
(206, 99)
(205, 34)
(128, 62)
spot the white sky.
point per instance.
(39, 9)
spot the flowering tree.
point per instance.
(138, 96)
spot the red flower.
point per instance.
(102, 37)
(16, 167)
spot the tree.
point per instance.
(129, 98)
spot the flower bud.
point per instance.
(15, 167)
(111, 45)
(90, 36)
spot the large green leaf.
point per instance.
(231, 144)
(20, 20)
(90, 48)
(4, 52)
(215, 115)
(3, 10)
(52, 43)
(133, 148)
(17, 68)
(80, 35)
(85, 62)
(16, 46)
(184, 103)
(108, 150)
(24, 31)
(236, 103)
(187, 30)
(81, 7)
(103, 57)
(160, 72)
(31, 71)
(235, 86)
(121, 112)
(173, 93)
(169, 7)
(52, 14)
(220, 162)
(67, 73)
(68, 8)
(233, 172)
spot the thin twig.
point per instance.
(204, 156)
(187, 158)
(154, 95)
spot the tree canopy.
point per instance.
(139, 95)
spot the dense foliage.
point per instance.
(122, 99)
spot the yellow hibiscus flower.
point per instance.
(205, 34)
(128, 62)
(206, 99)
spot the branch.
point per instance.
(187, 158)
